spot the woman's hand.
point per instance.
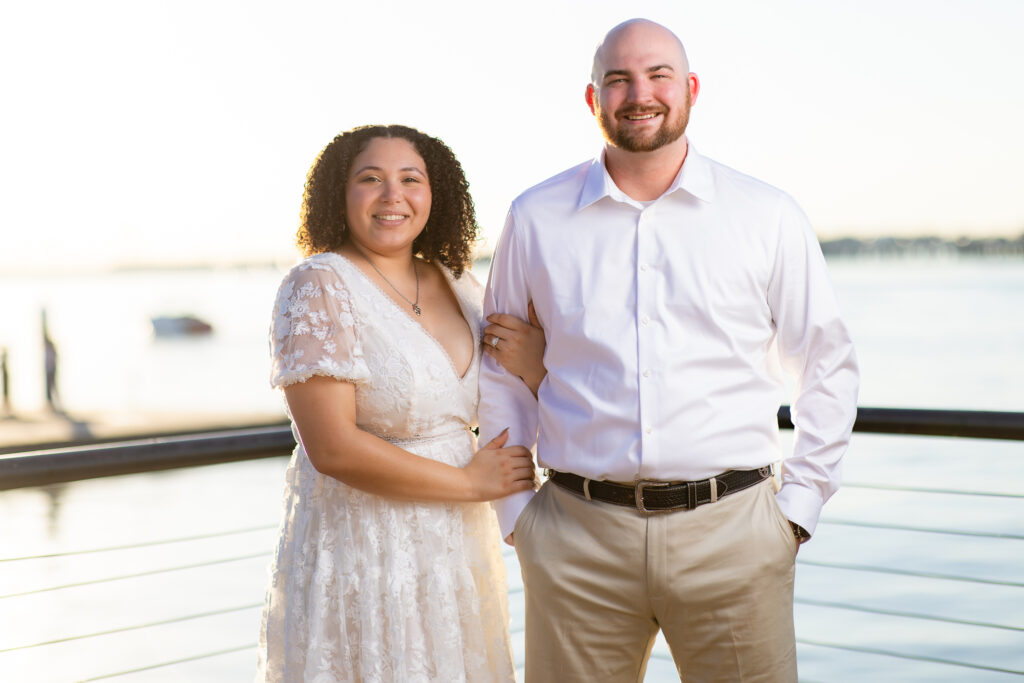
(496, 472)
(324, 410)
(518, 346)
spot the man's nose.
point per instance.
(639, 90)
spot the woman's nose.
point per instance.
(392, 192)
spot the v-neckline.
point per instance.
(474, 333)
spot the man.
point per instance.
(665, 282)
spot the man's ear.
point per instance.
(590, 96)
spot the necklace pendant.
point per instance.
(416, 309)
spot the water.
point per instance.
(930, 333)
(941, 333)
(109, 359)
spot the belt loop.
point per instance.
(691, 494)
(586, 488)
(714, 489)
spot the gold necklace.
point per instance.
(415, 304)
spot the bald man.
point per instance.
(670, 287)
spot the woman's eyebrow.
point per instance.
(405, 169)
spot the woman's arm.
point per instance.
(324, 411)
(520, 346)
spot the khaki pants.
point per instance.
(602, 579)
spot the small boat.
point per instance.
(179, 326)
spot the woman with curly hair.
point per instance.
(388, 566)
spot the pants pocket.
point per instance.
(524, 523)
(782, 523)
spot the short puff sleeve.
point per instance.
(314, 329)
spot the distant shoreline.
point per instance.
(845, 247)
(924, 246)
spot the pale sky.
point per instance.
(138, 131)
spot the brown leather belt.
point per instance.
(649, 496)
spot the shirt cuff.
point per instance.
(509, 508)
(801, 505)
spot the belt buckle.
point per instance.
(638, 494)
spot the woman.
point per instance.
(388, 566)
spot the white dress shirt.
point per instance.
(665, 326)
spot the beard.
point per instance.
(668, 132)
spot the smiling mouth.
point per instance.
(641, 117)
(390, 217)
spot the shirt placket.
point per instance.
(646, 326)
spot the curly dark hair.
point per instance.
(451, 227)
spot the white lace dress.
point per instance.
(364, 588)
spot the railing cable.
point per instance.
(136, 627)
(908, 572)
(926, 530)
(183, 660)
(136, 575)
(908, 615)
(918, 489)
(141, 544)
(904, 655)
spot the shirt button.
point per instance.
(643, 267)
(644, 320)
(648, 430)
(647, 373)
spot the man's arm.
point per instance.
(815, 346)
(505, 401)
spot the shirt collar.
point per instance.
(694, 177)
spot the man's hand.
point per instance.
(800, 533)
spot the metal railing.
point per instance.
(41, 467)
(975, 424)
(53, 466)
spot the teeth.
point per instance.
(641, 117)
(391, 217)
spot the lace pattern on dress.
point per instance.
(314, 330)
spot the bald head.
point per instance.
(641, 90)
(637, 36)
